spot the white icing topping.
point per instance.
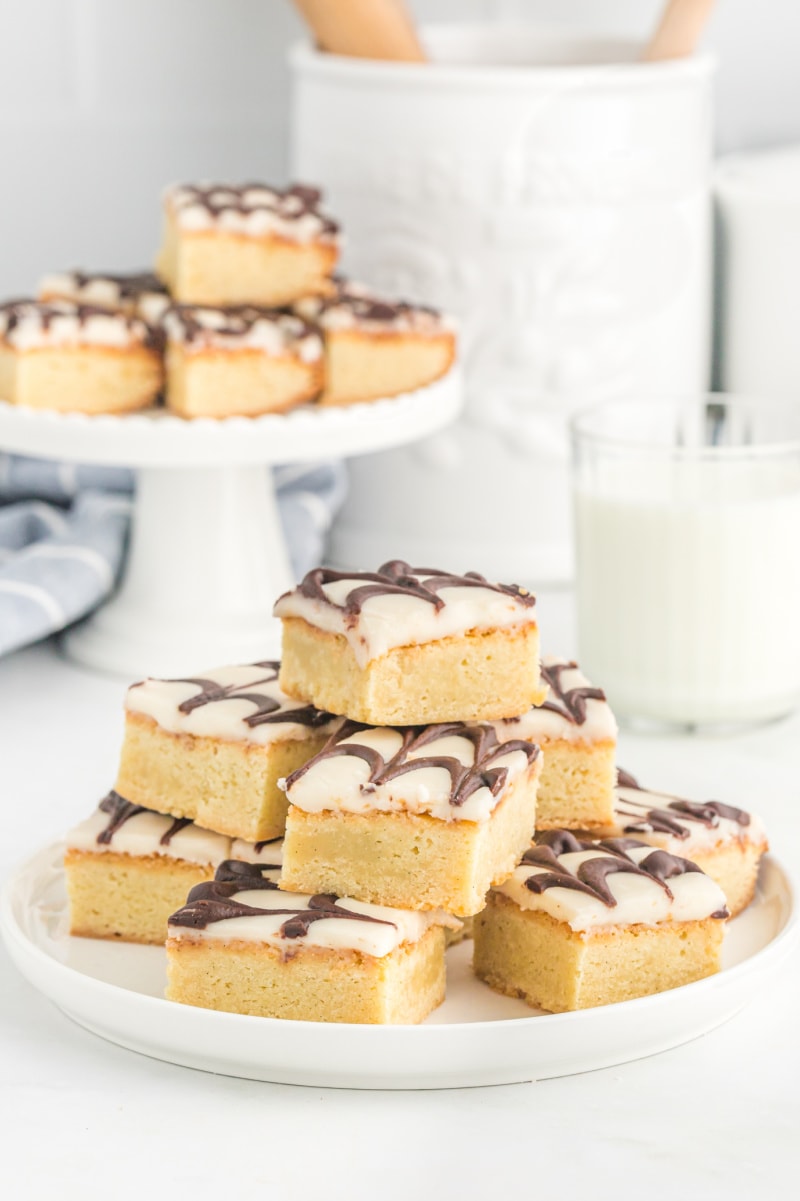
(126, 293)
(66, 286)
(632, 805)
(244, 328)
(341, 782)
(390, 620)
(271, 852)
(60, 323)
(351, 308)
(542, 725)
(640, 899)
(226, 717)
(397, 926)
(256, 212)
(142, 834)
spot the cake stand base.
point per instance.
(207, 555)
(206, 562)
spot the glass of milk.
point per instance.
(687, 520)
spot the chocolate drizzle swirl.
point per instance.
(294, 202)
(590, 876)
(266, 842)
(570, 702)
(246, 875)
(14, 312)
(672, 819)
(398, 578)
(130, 286)
(190, 323)
(268, 709)
(464, 779)
(367, 307)
(215, 901)
(120, 811)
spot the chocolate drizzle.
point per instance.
(215, 901)
(268, 709)
(190, 323)
(367, 307)
(672, 819)
(590, 876)
(569, 703)
(294, 202)
(129, 286)
(14, 312)
(121, 811)
(465, 779)
(398, 578)
(266, 842)
(246, 875)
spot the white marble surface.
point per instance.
(717, 1118)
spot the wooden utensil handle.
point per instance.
(363, 28)
(679, 30)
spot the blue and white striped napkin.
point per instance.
(63, 531)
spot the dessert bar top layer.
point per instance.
(252, 210)
(354, 306)
(613, 882)
(574, 711)
(399, 605)
(32, 324)
(678, 825)
(233, 703)
(247, 904)
(241, 326)
(268, 853)
(452, 772)
(127, 829)
(101, 287)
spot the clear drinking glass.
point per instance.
(687, 517)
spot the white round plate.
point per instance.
(157, 438)
(475, 1038)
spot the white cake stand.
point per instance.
(207, 555)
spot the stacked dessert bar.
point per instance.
(197, 785)
(309, 836)
(244, 316)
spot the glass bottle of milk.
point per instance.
(688, 557)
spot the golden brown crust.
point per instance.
(482, 675)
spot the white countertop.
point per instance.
(717, 1118)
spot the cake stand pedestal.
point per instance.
(207, 554)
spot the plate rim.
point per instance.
(12, 933)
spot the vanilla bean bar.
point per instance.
(726, 842)
(78, 357)
(420, 818)
(139, 293)
(410, 645)
(376, 347)
(213, 748)
(239, 361)
(243, 945)
(128, 868)
(586, 923)
(246, 244)
(577, 732)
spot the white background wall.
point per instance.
(102, 102)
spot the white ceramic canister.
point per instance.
(758, 216)
(553, 194)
